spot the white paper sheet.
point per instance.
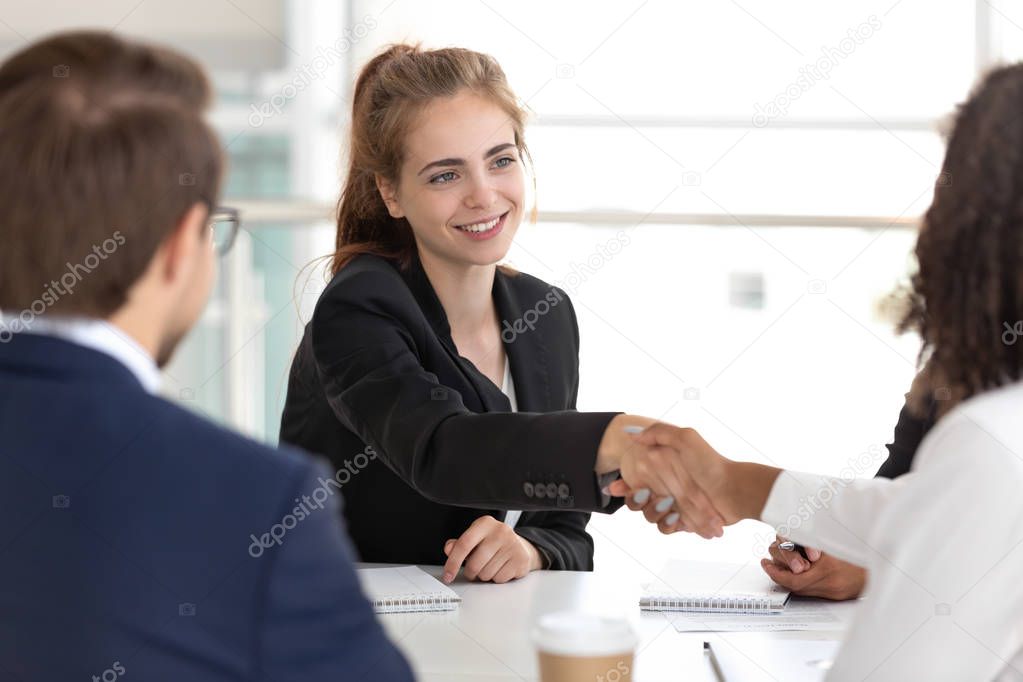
(774, 660)
(798, 615)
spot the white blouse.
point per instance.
(943, 545)
(508, 388)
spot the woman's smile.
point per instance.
(488, 228)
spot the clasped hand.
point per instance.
(680, 482)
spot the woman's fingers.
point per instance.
(618, 488)
(635, 500)
(662, 462)
(657, 508)
(697, 507)
(498, 561)
(465, 545)
(481, 556)
(786, 578)
(790, 560)
(672, 523)
(490, 551)
(648, 467)
(688, 498)
(506, 574)
(661, 434)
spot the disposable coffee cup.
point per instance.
(579, 647)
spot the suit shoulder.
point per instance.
(220, 451)
(367, 282)
(533, 293)
(527, 285)
(366, 272)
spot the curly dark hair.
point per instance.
(969, 280)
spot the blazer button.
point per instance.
(552, 490)
(527, 488)
(563, 490)
(540, 490)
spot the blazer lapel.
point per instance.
(527, 351)
(490, 398)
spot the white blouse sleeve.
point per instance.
(833, 514)
(944, 547)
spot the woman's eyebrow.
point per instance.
(461, 162)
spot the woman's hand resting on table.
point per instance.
(820, 575)
(492, 552)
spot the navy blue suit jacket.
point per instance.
(138, 539)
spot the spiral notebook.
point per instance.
(404, 589)
(706, 587)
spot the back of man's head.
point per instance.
(103, 151)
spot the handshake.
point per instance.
(678, 480)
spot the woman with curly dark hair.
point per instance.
(967, 294)
(944, 543)
(968, 326)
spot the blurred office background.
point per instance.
(729, 191)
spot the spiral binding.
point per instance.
(415, 602)
(745, 604)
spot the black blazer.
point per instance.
(377, 377)
(909, 433)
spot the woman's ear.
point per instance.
(389, 193)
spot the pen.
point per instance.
(790, 546)
(715, 666)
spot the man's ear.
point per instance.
(185, 242)
(389, 193)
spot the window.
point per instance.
(727, 190)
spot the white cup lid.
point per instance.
(569, 633)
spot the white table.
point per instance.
(487, 639)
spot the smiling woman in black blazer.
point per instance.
(399, 376)
(390, 520)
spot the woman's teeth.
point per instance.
(480, 227)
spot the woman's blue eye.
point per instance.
(500, 162)
(443, 178)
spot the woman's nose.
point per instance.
(481, 194)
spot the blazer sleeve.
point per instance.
(561, 536)
(363, 341)
(316, 623)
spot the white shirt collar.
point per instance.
(104, 337)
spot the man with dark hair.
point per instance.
(138, 539)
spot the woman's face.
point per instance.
(461, 185)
